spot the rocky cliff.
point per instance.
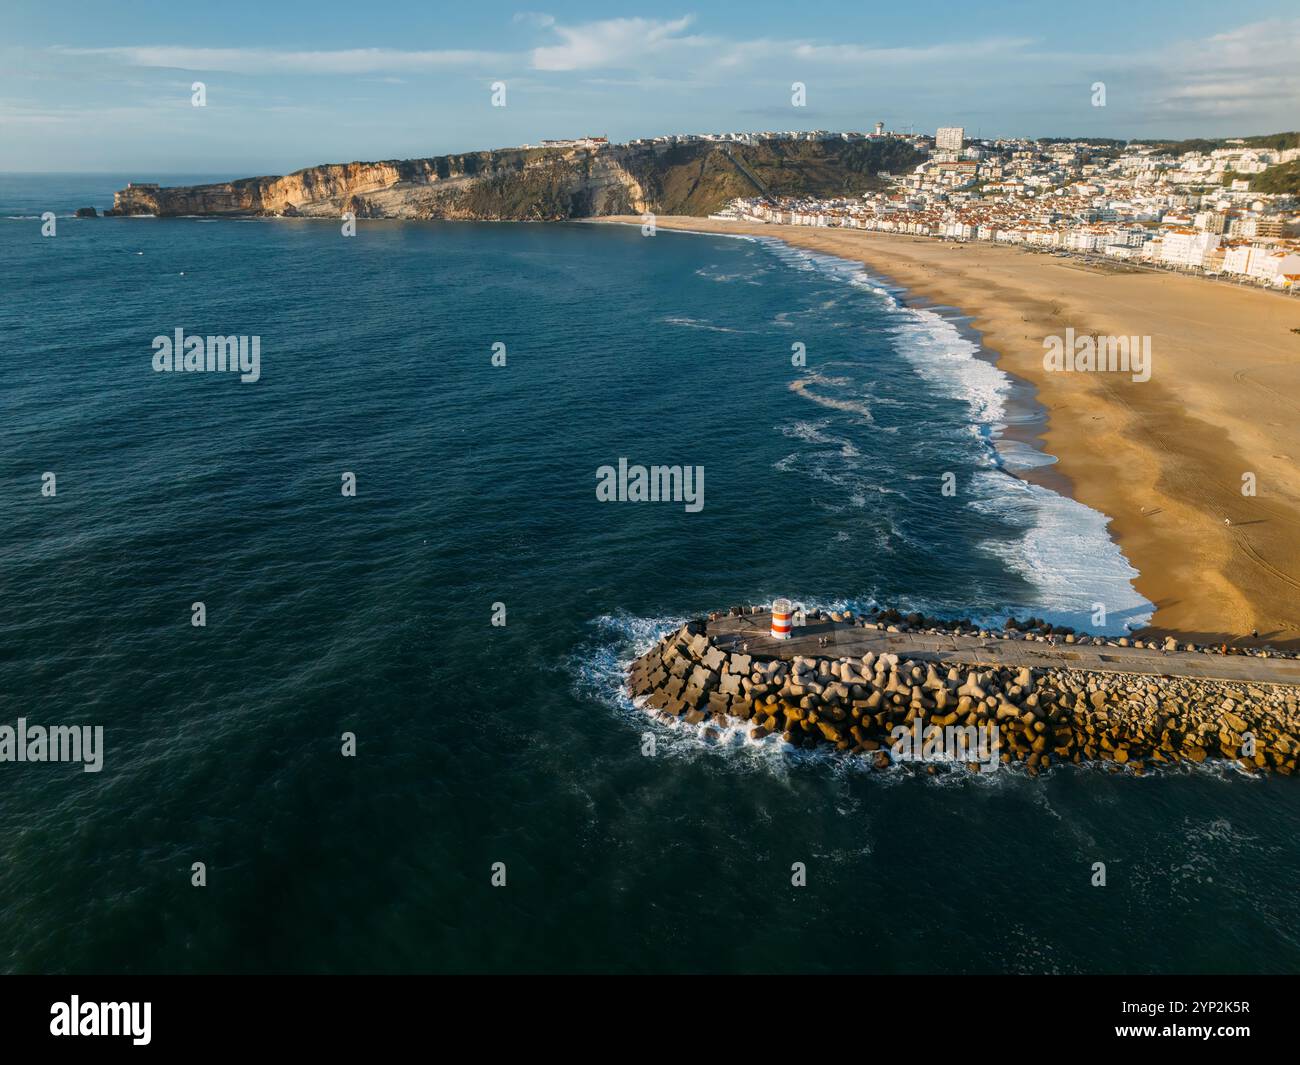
(540, 184)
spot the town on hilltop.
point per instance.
(1198, 210)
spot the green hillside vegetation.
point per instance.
(698, 179)
(1277, 141)
(1095, 142)
(1278, 179)
(689, 179)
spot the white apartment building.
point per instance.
(1086, 240)
(949, 138)
(1269, 265)
(1130, 238)
(1255, 227)
(1186, 247)
(1273, 267)
(1237, 258)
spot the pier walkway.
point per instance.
(851, 640)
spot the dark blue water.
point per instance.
(479, 744)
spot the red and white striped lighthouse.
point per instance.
(781, 619)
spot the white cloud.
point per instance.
(1251, 70)
(275, 61)
(1251, 46)
(535, 18)
(931, 53)
(641, 42)
(738, 53)
(611, 43)
(1248, 72)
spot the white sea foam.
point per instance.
(599, 669)
(860, 406)
(1017, 455)
(1066, 552)
(814, 377)
(599, 672)
(747, 277)
(1065, 549)
(695, 323)
(951, 366)
(660, 231)
(815, 433)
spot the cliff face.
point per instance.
(540, 184)
(513, 184)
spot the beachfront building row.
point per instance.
(1269, 261)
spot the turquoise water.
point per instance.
(480, 744)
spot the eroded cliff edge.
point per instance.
(540, 184)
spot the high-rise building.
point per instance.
(949, 138)
(880, 128)
(1255, 227)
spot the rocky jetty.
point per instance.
(702, 676)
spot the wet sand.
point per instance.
(1163, 458)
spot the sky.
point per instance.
(95, 87)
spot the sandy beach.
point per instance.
(1163, 458)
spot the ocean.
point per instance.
(509, 749)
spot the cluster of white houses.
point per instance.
(1190, 212)
(919, 140)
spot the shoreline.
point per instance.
(1019, 427)
(1163, 459)
(1027, 418)
(1022, 397)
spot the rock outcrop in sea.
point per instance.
(704, 674)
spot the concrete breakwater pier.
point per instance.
(893, 689)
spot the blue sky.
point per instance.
(89, 86)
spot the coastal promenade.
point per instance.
(752, 633)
